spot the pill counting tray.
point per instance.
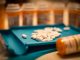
(28, 30)
(17, 45)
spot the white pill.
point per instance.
(40, 38)
(34, 36)
(24, 36)
(45, 40)
(57, 29)
(66, 28)
(53, 37)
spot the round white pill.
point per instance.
(24, 36)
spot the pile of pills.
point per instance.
(46, 34)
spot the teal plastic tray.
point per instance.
(18, 31)
(19, 46)
(13, 45)
(33, 55)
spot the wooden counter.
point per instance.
(55, 56)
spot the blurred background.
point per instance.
(39, 12)
(23, 1)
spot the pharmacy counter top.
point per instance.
(55, 56)
(48, 54)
